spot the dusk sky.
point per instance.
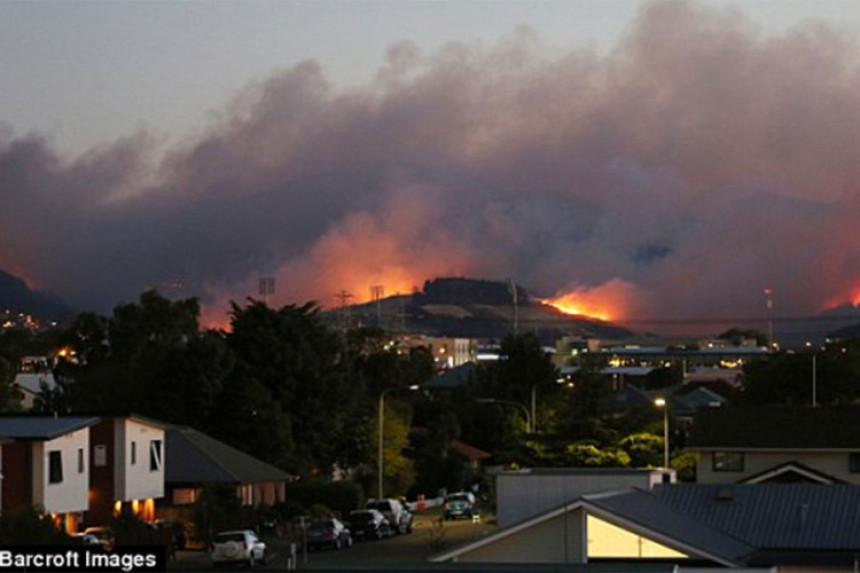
(656, 159)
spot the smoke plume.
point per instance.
(695, 164)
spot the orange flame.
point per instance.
(607, 302)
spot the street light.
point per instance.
(529, 427)
(381, 434)
(661, 403)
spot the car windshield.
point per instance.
(460, 497)
(321, 526)
(380, 505)
(225, 537)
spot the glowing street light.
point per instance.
(381, 434)
(661, 403)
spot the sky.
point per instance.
(647, 159)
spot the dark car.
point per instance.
(460, 504)
(328, 533)
(368, 524)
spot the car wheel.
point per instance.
(252, 562)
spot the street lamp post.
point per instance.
(661, 403)
(525, 411)
(380, 464)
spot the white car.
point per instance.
(237, 546)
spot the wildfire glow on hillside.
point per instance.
(608, 302)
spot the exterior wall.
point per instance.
(17, 475)
(557, 540)
(101, 474)
(831, 463)
(137, 481)
(71, 494)
(527, 493)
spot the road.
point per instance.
(431, 535)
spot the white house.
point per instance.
(46, 465)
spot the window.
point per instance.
(854, 462)
(155, 455)
(80, 460)
(55, 466)
(100, 455)
(728, 461)
(133, 453)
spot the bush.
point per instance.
(340, 497)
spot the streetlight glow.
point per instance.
(661, 403)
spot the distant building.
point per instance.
(447, 352)
(778, 443)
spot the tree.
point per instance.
(294, 357)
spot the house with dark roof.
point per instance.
(127, 467)
(46, 464)
(777, 444)
(775, 527)
(194, 460)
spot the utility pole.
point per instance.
(376, 294)
(512, 288)
(768, 293)
(267, 288)
(343, 298)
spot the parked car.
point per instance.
(460, 504)
(104, 535)
(399, 518)
(368, 524)
(328, 533)
(85, 539)
(240, 546)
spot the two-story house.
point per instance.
(45, 464)
(127, 467)
(797, 444)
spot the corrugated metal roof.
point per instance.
(774, 516)
(648, 512)
(41, 427)
(777, 427)
(194, 457)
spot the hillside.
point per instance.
(15, 296)
(460, 307)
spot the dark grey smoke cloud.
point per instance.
(696, 164)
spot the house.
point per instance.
(474, 456)
(194, 460)
(522, 494)
(127, 467)
(776, 527)
(45, 464)
(779, 443)
(31, 386)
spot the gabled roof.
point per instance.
(194, 457)
(32, 381)
(801, 474)
(640, 512)
(41, 427)
(471, 452)
(777, 427)
(807, 517)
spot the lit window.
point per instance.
(728, 461)
(155, 455)
(55, 466)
